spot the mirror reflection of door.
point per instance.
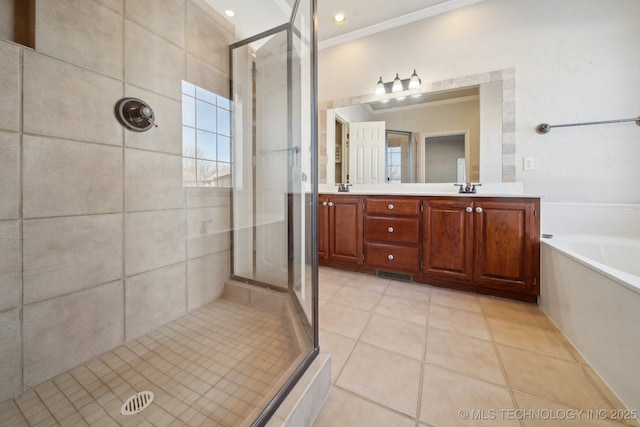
(399, 157)
(341, 151)
(444, 158)
(366, 152)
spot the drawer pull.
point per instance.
(390, 257)
(469, 209)
(390, 206)
(390, 229)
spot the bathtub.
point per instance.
(590, 288)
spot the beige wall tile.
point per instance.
(208, 231)
(115, 5)
(153, 240)
(166, 21)
(9, 175)
(63, 332)
(206, 39)
(63, 255)
(154, 298)
(167, 137)
(201, 197)
(152, 62)
(153, 180)
(9, 86)
(70, 178)
(207, 276)
(82, 32)
(10, 354)
(69, 102)
(10, 265)
(207, 76)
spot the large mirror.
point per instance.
(457, 130)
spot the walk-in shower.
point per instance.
(156, 233)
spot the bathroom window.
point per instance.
(394, 165)
(206, 138)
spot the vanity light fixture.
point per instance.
(398, 84)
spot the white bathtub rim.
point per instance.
(627, 280)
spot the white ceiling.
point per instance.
(364, 17)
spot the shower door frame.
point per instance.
(311, 239)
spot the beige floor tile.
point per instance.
(447, 395)
(470, 356)
(343, 320)
(326, 289)
(346, 409)
(404, 309)
(538, 412)
(520, 312)
(356, 298)
(401, 336)
(554, 379)
(611, 397)
(340, 348)
(538, 340)
(461, 321)
(368, 282)
(385, 377)
(412, 291)
(455, 299)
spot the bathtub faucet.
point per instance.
(343, 188)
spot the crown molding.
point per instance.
(408, 18)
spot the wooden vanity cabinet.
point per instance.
(392, 234)
(340, 231)
(487, 245)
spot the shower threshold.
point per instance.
(218, 365)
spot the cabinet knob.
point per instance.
(390, 257)
(390, 229)
(330, 204)
(469, 209)
(324, 203)
(390, 206)
(479, 209)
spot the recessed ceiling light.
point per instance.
(230, 13)
(339, 19)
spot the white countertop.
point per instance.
(500, 189)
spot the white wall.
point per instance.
(575, 61)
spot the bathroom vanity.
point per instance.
(483, 244)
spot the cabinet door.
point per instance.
(323, 228)
(505, 245)
(345, 229)
(448, 239)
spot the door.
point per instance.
(345, 229)
(272, 162)
(504, 250)
(448, 239)
(367, 152)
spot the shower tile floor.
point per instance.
(410, 355)
(212, 367)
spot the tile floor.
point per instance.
(412, 355)
(212, 367)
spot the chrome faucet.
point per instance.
(467, 188)
(343, 188)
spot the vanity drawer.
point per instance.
(393, 257)
(393, 206)
(393, 230)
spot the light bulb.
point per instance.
(397, 84)
(414, 82)
(380, 87)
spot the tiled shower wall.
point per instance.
(99, 240)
